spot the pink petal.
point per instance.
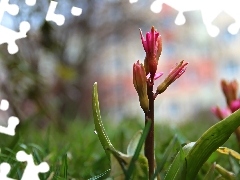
(235, 105)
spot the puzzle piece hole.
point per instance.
(13, 9)
(4, 169)
(51, 16)
(76, 11)
(30, 2)
(4, 105)
(24, 27)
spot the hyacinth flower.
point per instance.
(143, 81)
(153, 48)
(230, 90)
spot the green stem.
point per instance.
(149, 143)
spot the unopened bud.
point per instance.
(229, 90)
(140, 84)
(153, 48)
(173, 75)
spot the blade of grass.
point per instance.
(138, 150)
(65, 166)
(36, 156)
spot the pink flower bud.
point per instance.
(140, 84)
(229, 90)
(173, 75)
(153, 48)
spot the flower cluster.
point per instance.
(144, 75)
(229, 90)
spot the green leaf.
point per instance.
(212, 139)
(100, 176)
(132, 146)
(176, 171)
(99, 128)
(225, 173)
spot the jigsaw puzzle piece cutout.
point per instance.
(10, 129)
(12, 121)
(75, 11)
(51, 16)
(4, 105)
(4, 170)
(209, 9)
(12, 9)
(31, 171)
(9, 36)
(30, 2)
(231, 8)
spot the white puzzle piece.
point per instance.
(4, 105)
(51, 16)
(209, 9)
(30, 2)
(4, 170)
(12, 121)
(31, 171)
(10, 129)
(76, 11)
(7, 35)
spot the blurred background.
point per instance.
(50, 78)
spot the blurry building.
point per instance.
(103, 43)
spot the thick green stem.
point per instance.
(149, 143)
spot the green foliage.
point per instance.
(133, 165)
(188, 161)
(209, 142)
(77, 152)
(85, 155)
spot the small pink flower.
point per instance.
(221, 113)
(153, 48)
